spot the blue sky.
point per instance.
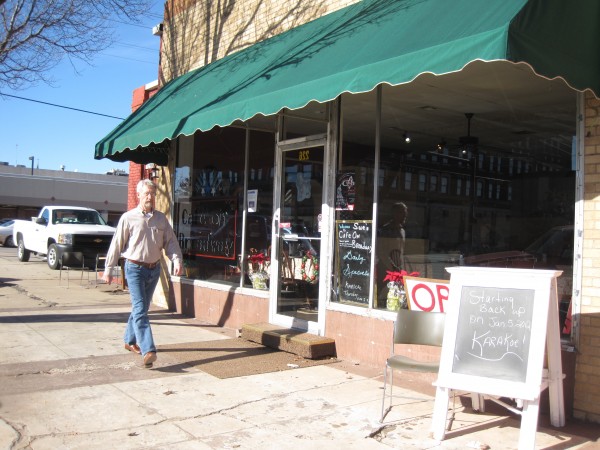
(55, 136)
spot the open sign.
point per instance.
(426, 294)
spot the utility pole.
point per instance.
(31, 158)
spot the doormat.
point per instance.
(229, 358)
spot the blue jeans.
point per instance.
(141, 282)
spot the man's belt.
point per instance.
(143, 264)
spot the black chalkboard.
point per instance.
(354, 259)
(345, 192)
(494, 332)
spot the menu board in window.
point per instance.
(209, 228)
(353, 246)
(345, 192)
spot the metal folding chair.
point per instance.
(70, 261)
(100, 263)
(417, 328)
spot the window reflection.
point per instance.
(354, 204)
(209, 196)
(476, 204)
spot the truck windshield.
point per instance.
(77, 216)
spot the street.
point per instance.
(66, 382)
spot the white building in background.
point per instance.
(23, 191)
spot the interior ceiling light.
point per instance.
(441, 146)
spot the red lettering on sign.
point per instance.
(442, 292)
(414, 295)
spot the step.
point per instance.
(300, 343)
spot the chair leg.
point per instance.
(384, 411)
(82, 269)
(452, 416)
(391, 388)
(65, 268)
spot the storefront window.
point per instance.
(261, 174)
(208, 201)
(460, 193)
(354, 200)
(308, 121)
(486, 204)
(452, 187)
(209, 196)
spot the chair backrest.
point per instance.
(72, 260)
(419, 327)
(396, 259)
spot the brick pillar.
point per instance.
(587, 383)
(137, 171)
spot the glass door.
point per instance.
(297, 227)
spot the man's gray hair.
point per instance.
(143, 183)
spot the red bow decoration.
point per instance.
(257, 258)
(399, 276)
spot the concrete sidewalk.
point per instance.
(67, 382)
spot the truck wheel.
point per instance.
(52, 257)
(22, 253)
(9, 242)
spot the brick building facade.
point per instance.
(208, 36)
(227, 27)
(587, 383)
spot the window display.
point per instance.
(441, 202)
(209, 201)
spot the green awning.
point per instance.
(354, 50)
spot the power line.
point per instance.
(131, 24)
(141, 47)
(127, 58)
(60, 106)
(155, 15)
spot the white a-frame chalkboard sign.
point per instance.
(500, 324)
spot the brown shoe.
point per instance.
(149, 358)
(133, 348)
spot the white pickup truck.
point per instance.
(63, 234)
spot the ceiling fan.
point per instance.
(466, 144)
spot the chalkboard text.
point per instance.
(494, 330)
(354, 260)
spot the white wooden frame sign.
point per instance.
(498, 324)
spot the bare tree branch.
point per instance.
(35, 35)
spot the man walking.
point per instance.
(142, 234)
